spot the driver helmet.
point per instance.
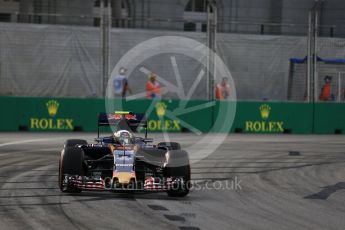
(124, 137)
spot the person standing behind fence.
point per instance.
(222, 89)
(326, 90)
(121, 85)
(153, 88)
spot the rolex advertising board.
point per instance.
(162, 123)
(65, 115)
(273, 117)
(167, 116)
(264, 123)
(50, 114)
(52, 120)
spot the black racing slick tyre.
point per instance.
(74, 142)
(71, 163)
(169, 145)
(178, 167)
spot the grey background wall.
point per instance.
(288, 17)
(76, 12)
(49, 60)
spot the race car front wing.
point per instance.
(100, 184)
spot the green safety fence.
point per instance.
(67, 114)
(329, 118)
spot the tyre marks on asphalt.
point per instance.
(28, 189)
(29, 197)
(189, 228)
(174, 218)
(157, 207)
(23, 208)
(273, 199)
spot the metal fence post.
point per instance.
(315, 55)
(211, 43)
(208, 52)
(109, 25)
(102, 45)
(309, 40)
(105, 15)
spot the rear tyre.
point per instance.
(74, 142)
(178, 168)
(71, 163)
(169, 145)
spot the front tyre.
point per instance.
(75, 142)
(71, 163)
(178, 168)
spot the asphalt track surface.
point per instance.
(274, 190)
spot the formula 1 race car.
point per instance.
(124, 161)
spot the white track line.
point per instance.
(26, 141)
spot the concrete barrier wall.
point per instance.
(62, 114)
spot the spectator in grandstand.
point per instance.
(326, 90)
(121, 86)
(153, 88)
(223, 89)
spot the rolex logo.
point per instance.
(265, 111)
(160, 109)
(52, 107)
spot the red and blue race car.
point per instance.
(124, 161)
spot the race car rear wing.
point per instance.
(123, 120)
